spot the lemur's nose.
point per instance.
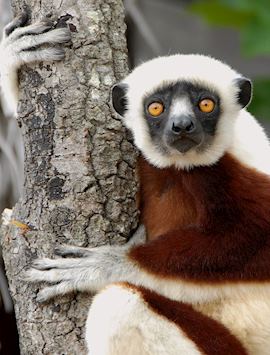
(182, 124)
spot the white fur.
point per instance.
(119, 322)
(250, 144)
(247, 317)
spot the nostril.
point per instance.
(176, 129)
(189, 127)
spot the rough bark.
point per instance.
(79, 166)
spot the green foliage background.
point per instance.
(252, 19)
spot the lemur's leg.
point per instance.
(21, 45)
(134, 320)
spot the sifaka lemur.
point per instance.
(194, 279)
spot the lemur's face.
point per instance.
(182, 117)
(182, 109)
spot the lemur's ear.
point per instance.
(119, 98)
(245, 91)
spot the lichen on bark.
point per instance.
(80, 182)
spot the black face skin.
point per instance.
(184, 132)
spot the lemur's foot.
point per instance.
(18, 21)
(23, 44)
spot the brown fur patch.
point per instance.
(161, 190)
(210, 336)
(208, 224)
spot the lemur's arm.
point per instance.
(90, 269)
(85, 269)
(16, 49)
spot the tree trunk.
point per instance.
(80, 181)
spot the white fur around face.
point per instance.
(250, 144)
(162, 71)
(120, 322)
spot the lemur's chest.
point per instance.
(226, 197)
(166, 204)
(214, 220)
(168, 208)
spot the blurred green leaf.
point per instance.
(255, 37)
(259, 106)
(247, 5)
(219, 13)
(250, 17)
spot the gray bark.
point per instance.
(80, 180)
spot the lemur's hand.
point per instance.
(23, 45)
(85, 269)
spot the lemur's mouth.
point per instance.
(184, 144)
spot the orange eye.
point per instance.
(206, 105)
(155, 109)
